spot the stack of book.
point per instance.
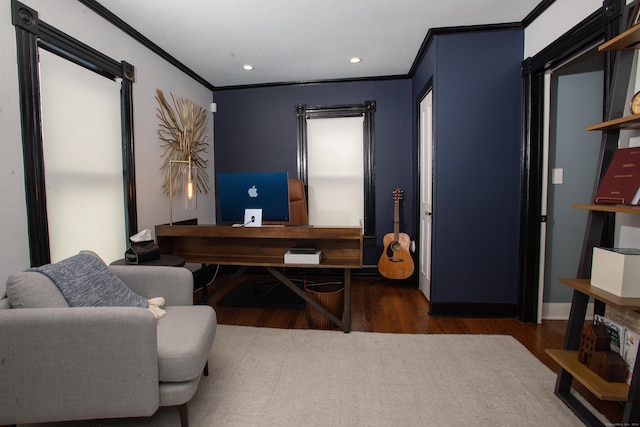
(623, 341)
(621, 182)
(302, 256)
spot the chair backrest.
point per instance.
(297, 205)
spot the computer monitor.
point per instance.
(268, 191)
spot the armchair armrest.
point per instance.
(77, 363)
(174, 284)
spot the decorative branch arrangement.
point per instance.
(183, 134)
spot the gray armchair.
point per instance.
(60, 363)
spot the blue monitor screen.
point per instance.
(268, 191)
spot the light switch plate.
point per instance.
(557, 176)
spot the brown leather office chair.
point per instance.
(298, 214)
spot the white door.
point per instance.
(426, 193)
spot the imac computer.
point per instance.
(247, 199)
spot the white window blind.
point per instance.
(83, 160)
(335, 171)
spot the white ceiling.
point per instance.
(302, 40)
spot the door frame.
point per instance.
(602, 24)
(428, 87)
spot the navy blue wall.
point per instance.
(477, 128)
(255, 130)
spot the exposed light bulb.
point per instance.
(190, 190)
(355, 60)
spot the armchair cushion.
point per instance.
(29, 289)
(185, 336)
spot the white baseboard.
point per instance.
(560, 311)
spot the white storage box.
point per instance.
(302, 258)
(617, 271)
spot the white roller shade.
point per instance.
(335, 171)
(83, 160)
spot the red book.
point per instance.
(621, 182)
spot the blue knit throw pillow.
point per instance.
(86, 281)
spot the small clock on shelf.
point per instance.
(635, 103)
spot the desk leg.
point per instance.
(346, 327)
(346, 315)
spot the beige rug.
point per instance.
(275, 377)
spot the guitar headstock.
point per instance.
(397, 194)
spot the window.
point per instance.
(338, 173)
(33, 34)
(83, 158)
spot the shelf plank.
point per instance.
(629, 39)
(609, 208)
(602, 389)
(626, 122)
(584, 286)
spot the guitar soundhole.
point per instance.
(391, 251)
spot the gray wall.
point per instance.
(576, 102)
(152, 72)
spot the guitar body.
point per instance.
(396, 262)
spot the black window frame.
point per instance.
(32, 34)
(366, 110)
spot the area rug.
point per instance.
(279, 377)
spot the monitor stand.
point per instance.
(252, 218)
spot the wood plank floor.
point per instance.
(380, 305)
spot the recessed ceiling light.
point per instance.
(355, 60)
(248, 67)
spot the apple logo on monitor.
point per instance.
(253, 191)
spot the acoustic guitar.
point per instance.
(396, 262)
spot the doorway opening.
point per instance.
(574, 97)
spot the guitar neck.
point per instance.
(396, 220)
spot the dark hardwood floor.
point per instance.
(380, 305)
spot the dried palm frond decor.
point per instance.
(183, 134)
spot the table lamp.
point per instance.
(190, 178)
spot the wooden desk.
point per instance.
(265, 247)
